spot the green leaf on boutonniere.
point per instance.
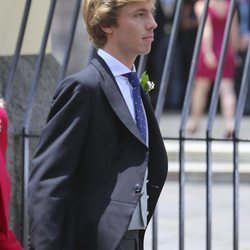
(145, 83)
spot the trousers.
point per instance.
(131, 241)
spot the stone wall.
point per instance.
(16, 109)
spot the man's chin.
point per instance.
(145, 52)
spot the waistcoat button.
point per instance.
(138, 188)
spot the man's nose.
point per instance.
(152, 23)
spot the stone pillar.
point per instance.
(16, 109)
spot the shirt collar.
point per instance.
(116, 67)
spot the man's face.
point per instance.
(133, 34)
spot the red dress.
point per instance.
(8, 240)
(218, 26)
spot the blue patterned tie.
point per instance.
(139, 111)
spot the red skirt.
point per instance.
(210, 73)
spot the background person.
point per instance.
(208, 64)
(8, 240)
(244, 29)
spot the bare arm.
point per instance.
(235, 36)
(207, 39)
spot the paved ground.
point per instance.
(195, 213)
(195, 203)
(170, 123)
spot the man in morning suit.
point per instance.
(100, 164)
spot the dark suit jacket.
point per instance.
(89, 166)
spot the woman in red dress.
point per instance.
(8, 240)
(208, 63)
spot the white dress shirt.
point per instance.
(118, 69)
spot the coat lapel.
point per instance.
(115, 98)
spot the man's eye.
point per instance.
(140, 14)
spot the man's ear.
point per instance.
(107, 29)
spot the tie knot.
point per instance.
(133, 79)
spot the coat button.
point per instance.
(138, 188)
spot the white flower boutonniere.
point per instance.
(145, 83)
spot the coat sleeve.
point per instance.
(54, 165)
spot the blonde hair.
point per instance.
(97, 13)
